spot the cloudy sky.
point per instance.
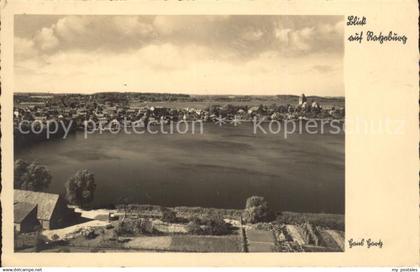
(182, 54)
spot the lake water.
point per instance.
(220, 168)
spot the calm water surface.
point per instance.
(220, 168)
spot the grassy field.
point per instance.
(173, 243)
(192, 243)
(158, 243)
(260, 240)
(186, 243)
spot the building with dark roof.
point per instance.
(51, 210)
(25, 217)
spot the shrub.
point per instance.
(256, 210)
(189, 212)
(89, 234)
(39, 243)
(135, 227)
(194, 228)
(255, 201)
(168, 215)
(217, 226)
(214, 225)
(263, 226)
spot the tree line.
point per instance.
(31, 176)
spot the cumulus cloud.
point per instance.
(180, 53)
(301, 39)
(322, 68)
(326, 37)
(168, 25)
(24, 48)
(92, 33)
(131, 25)
(46, 40)
(243, 36)
(252, 35)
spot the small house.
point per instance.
(25, 219)
(51, 210)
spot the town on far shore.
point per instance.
(67, 222)
(156, 108)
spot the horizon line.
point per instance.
(140, 92)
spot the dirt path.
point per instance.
(62, 233)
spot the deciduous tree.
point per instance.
(256, 210)
(80, 188)
(31, 176)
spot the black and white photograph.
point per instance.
(179, 133)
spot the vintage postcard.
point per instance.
(143, 133)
